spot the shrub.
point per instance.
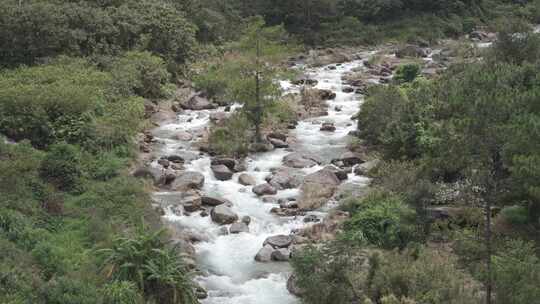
(141, 73)
(233, 138)
(61, 167)
(424, 276)
(516, 215)
(407, 73)
(384, 220)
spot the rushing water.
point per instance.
(229, 272)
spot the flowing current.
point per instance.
(229, 272)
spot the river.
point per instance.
(226, 261)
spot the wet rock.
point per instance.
(265, 254)
(221, 172)
(304, 80)
(214, 201)
(188, 180)
(259, 147)
(264, 189)
(340, 173)
(277, 135)
(223, 215)
(326, 94)
(191, 202)
(246, 220)
(200, 292)
(478, 35)
(246, 179)
(145, 148)
(230, 163)
(285, 178)
(184, 136)
(328, 127)
(317, 189)
(349, 159)
(175, 159)
(277, 143)
(292, 286)
(338, 108)
(183, 247)
(347, 89)
(311, 218)
(363, 169)
(238, 228)
(278, 241)
(281, 255)
(197, 103)
(301, 160)
(164, 162)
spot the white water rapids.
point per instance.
(229, 272)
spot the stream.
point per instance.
(226, 262)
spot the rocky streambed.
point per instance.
(238, 222)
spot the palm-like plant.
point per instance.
(146, 260)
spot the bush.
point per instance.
(383, 220)
(424, 276)
(407, 73)
(515, 215)
(233, 138)
(61, 167)
(141, 73)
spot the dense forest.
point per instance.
(80, 78)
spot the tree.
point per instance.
(256, 87)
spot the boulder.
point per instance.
(281, 255)
(238, 228)
(328, 127)
(223, 215)
(188, 180)
(326, 94)
(277, 143)
(214, 201)
(197, 103)
(411, 51)
(175, 159)
(147, 172)
(363, 169)
(246, 220)
(221, 172)
(265, 254)
(304, 80)
(164, 162)
(191, 202)
(347, 89)
(278, 241)
(246, 179)
(184, 136)
(317, 189)
(292, 286)
(285, 178)
(340, 173)
(264, 189)
(230, 163)
(217, 117)
(349, 159)
(301, 160)
(277, 135)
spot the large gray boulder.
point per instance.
(191, 201)
(197, 103)
(188, 180)
(214, 201)
(264, 189)
(278, 241)
(363, 169)
(230, 163)
(238, 228)
(246, 179)
(265, 254)
(285, 178)
(223, 215)
(301, 160)
(317, 189)
(281, 255)
(222, 172)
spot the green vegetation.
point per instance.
(455, 148)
